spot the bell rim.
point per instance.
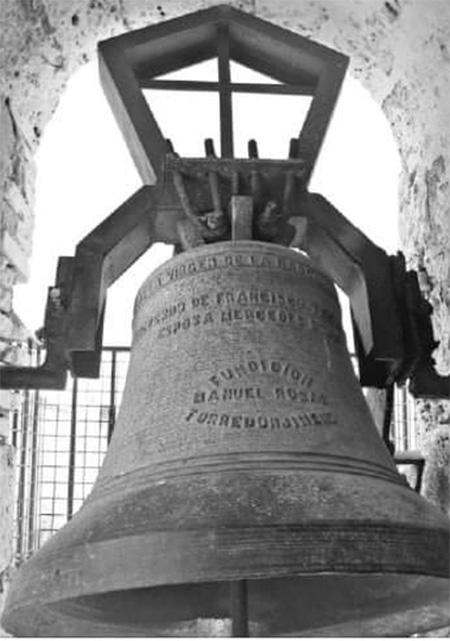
(202, 565)
(437, 611)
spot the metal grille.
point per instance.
(403, 428)
(60, 440)
(62, 437)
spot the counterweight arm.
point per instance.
(73, 327)
(391, 319)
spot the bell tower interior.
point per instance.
(241, 326)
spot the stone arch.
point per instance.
(88, 179)
(399, 57)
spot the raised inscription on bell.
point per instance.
(251, 306)
(286, 370)
(232, 352)
(239, 257)
(261, 421)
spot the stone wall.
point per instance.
(399, 50)
(6, 492)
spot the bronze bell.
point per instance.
(244, 456)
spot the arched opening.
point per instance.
(380, 47)
(85, 172)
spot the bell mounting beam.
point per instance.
(235, 87)
(391, 319)
(251, 198)
(225, 97)
(134, 61)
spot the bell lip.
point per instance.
(203, 563)
(436, 615)
(373, 626)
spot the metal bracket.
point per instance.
(52, 374)
(271, 199)
(212, 182)
(412, 457)
(391, 319)
(361, 269)
(73, 326)
(135, 60)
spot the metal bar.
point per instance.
(120, 348)
(209, 148)
(241, 218)
(33, 472)
(215, 191)
(22, 475)
(387, 419)
(405, 431)
(410, 417)
(313, 129)
(239, 87)
(239, 609)
(72, 451)
(180, 187)
(288, 90)
(252, 149)
(179, 85)
(101, 257)
(14, 428)
(112, 397)
(364, 271)
(140, 130)
(51, 374)
(226, 107)
(227, 166)
(420, 468)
